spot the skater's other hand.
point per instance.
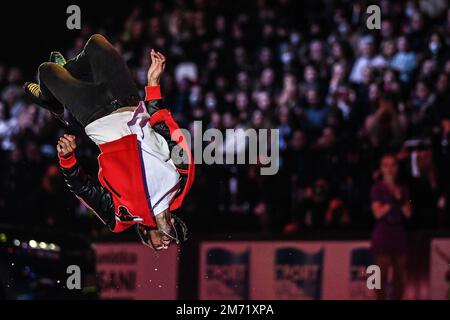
(66, 145)
(156, 68)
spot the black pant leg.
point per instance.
(100, 62)
(83, 99)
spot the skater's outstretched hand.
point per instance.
(156, 68)
(66, 145)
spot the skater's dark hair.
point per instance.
(181, 227)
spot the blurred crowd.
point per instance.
(340, 94)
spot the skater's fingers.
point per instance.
(69, 136)
(66, 142)
(63, 148)
(162, 61)
(160, 55)
(72, 141)
(61, 142)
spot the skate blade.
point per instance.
(60, 117)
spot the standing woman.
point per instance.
(391, 208)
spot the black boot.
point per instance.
(33, 91)
(58, 58)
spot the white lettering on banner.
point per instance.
(298, 273)
(132, 271)
(219, 272)
(117, 280)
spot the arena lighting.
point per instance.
(33, 244)
(54, 247)
(43, 245)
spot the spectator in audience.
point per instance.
(364, 60)
(386, 127)
(404, 60)
(390, 207)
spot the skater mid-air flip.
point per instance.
(145, 165)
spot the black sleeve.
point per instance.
(92, 193)
(154, 105)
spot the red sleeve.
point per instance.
(67, 162)
(165, 116)
(153, 93)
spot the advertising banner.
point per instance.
(288, 270)
(345, 274)
(440, 269)
(224, 271)
(133, 271)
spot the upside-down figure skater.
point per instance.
(145, 165)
